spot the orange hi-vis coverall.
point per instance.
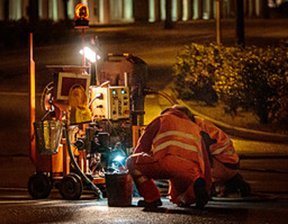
(170, 148)
(224, 160)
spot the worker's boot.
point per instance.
(201, 194)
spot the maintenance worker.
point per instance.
(171, 148)
(224, 161)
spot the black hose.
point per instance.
(78, 169)
(161, 93)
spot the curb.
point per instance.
(240, 132)
(244, 132)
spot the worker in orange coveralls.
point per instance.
(171, 148)
(224, 161)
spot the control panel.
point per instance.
(112, 102)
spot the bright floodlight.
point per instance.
(89, 54)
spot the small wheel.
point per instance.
(39, 186)
(47, 98)
(75, 175)
(71, 187)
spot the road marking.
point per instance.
(22, 202)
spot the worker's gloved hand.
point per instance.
(218, 190)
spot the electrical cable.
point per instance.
(83, 176)
(161, 93)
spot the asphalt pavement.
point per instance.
(18, 208)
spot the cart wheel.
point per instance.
(47, 98)
(39, 186)
(71, 187)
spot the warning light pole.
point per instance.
(81, 20)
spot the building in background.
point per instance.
(129, 11)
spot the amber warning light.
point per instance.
(81, 17)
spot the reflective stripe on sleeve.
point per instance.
(222, 149)
(219, 151)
